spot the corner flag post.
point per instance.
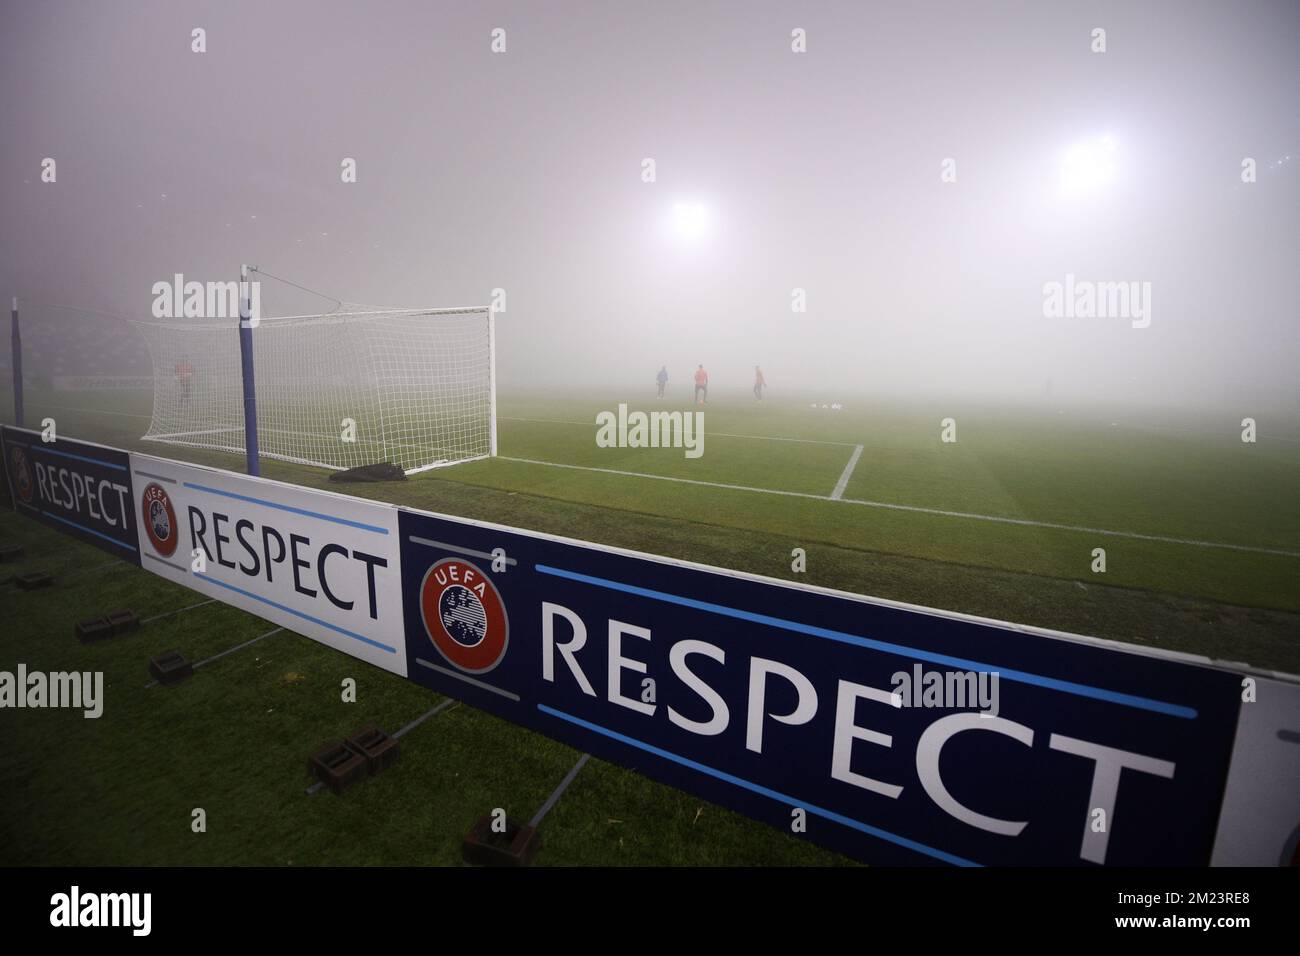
(16, 341)
(246, 366)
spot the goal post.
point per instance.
(415, 387)
(492, 381)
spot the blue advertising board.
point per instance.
(76, 487)
(824, 713)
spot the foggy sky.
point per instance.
(819, 170)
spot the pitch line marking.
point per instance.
(685, 481)
(998, 519)
(843, 483)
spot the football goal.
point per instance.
(338, 390)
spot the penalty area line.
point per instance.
(996, 519)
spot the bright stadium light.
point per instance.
(1088, 167)
(690, 221)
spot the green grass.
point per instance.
(234, 739)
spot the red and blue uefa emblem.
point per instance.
(464, 615)
(159, 519)
(22, 473)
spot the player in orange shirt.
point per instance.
(184, 375)
(701, 386)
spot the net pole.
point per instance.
(16, 341)
(246, 370)
(492, 380)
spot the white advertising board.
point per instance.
(321, 564)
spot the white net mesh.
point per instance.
(416, 383)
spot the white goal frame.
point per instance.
(419, 384)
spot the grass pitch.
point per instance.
(1203, 559)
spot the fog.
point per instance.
(774, 171)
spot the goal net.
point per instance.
(339, 390)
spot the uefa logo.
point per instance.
(159, 519)
(464, 616)
(22, 473)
